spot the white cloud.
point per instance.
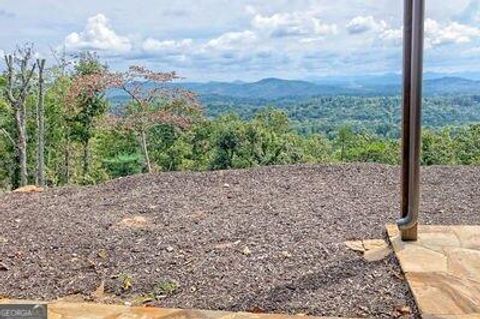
(362, 24)
(251, 10)
(267, 37)
(471, 13)
(98, 35)
(169, 47)
(232, 41)
(436, 34)
(391, 36)
(452, 33)
(304, 23)
(473, 52)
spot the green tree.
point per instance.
(467, 145)
(87, 103)
(317, 149)
(229, 136)
(344, 140)
(267, 138)
(368, 148)
(438, 148)
(7, 143)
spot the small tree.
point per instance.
(344, 140)
(229, 137)
(59, 114)
(86, 102)
(153, 102)
(19, 73)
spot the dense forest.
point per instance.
(376, 114)
(60, 125)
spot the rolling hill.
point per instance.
(273, 88)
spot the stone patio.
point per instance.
(66, 310)
(442, 269)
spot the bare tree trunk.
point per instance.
(86, 157)
(143, 137)
(67, 161)
(21, 144)
(40, 178)
(17, 92)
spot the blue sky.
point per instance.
(246, 39)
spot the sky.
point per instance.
(227, 40)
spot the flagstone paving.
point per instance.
(442, 269)
(62, 310)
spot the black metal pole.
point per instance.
(407, 76)
(412, 103)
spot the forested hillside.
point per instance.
(323, 108)
(81, 123)
(376, 114)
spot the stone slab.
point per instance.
(65, 310)
(442, 269)
(372, 249)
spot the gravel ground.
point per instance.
(267, 239)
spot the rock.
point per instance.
(99, 293)
(29, 189)
(247, 251)
(286, 254)
(227, 245)
(134, 222)
(226, 185)
(377, 254)
(102, 253)
(3, 267)
(169, 249)
(404, 310)
(356, 245)
(371, 244)
(199, 215)
(372, 249)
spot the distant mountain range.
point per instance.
(269, 88)
(273, 88)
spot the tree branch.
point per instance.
(133, 96)
(10, 76)
(7, 135)
(26, 77)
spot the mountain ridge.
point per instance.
(272, 88)
(276, 88)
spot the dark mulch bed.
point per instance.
(293, 220)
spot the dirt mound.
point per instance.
(272, 240)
